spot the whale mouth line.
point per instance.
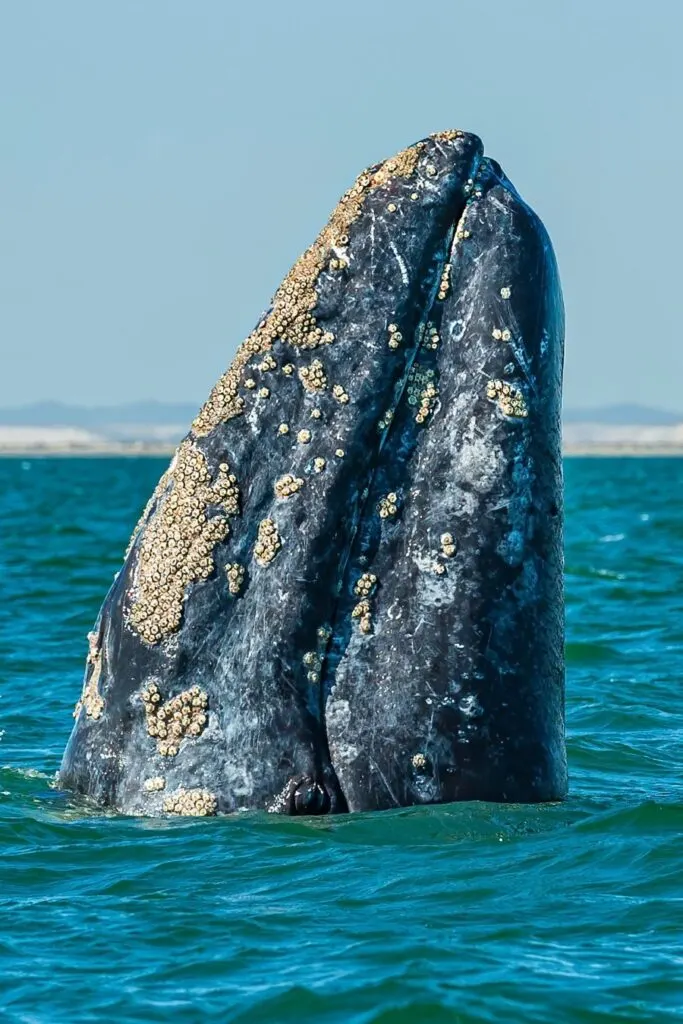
(341, 633)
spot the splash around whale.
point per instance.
(345, 593)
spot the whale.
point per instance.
(346, 591)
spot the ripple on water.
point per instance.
(463, 913)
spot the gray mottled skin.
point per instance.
(458, 690)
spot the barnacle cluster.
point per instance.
(388, 506)
(428, 398)
(505, 292)
(287, 485)
(268, 542)
(319, 464)
(386, 419)
(313, 376)
(431, 338)
(155, 784)
(447, 545)
(183, 715)
(445, 282)
(501, 335)
(340, 394)
(472, 187)
(235, 573)
(395, 336)
(448, 135)
(422, 391)
(90, 697)
(419, 761)
(365, 584)
(267, 363)
(363, 613)
(511, 401)
(462, 232)
(473, 190)
(191, 803)
(312, 662)
(177, 547)
(292, 317)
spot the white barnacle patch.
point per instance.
(155, 784)
(422, 391)
(395, 336)
(235, 573)
(447, 545)
(313, 376)
(445, 283)
(388, 506)
(191, 803)
(90, 698)
(509, 398)
(431, 339)
(183, 715)
(287, 485)
(311, 660)
(268, 542)
(179, 540)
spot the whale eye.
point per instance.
(306, 796)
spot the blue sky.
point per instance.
(162, 164)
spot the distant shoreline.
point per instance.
(166, 451)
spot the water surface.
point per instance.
(458, 913)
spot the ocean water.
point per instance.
(461, 913)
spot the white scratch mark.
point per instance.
(401, 263)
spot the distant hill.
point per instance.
(157, 427)
(152, 414)
(58, 414)
(623, 415)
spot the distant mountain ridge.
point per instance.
(623, 415)
(155, 414)
(59, 414)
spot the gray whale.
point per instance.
(346, 592)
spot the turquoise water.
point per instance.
(457, 913)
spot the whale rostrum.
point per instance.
(345, 592)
